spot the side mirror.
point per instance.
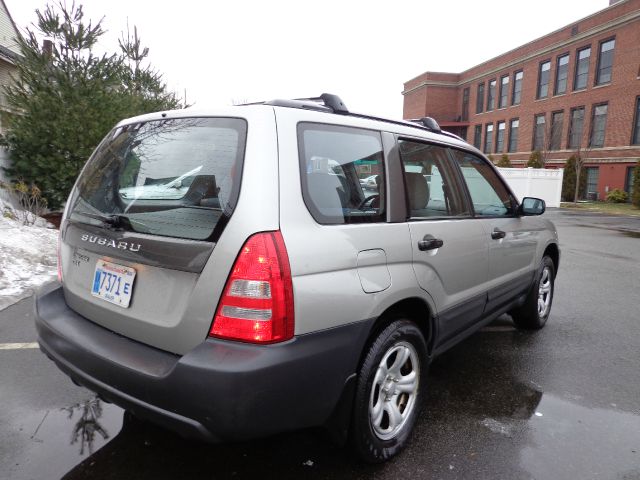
(532, 206)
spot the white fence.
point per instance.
(535, 182)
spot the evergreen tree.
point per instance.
(504, 161)
(65, 98)
(569, 181)
(535, 160)
(635, 194)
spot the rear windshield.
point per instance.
(175, 178)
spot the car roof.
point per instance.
(327, 104)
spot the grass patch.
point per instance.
(604, 207)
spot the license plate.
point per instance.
(113, 283)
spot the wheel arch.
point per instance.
(553, 252)
(413, 308)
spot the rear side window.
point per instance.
(175, 178)
(431, 186)
(342, 173)
(489, 195)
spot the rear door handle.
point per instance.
(429, 242)
(497, 234)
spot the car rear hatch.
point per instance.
(139, 244)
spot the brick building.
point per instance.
(574, 90)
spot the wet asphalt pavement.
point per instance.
(562, 403)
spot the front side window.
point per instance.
(517, 88)
(488, 138)
(557, 120)
(176, 177)
(504, 91)
(430, 181)
(562, 74)
(582, 69)
(576, 126)
(342, 173)
(598, 125)
(480, 98)
(635, 137)
(513, 135)
(477, 136)
(500, 137)
(491, 95)
(539, 132)
(489, 194)
(605, 61)
(543, 80)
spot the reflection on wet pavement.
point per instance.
(569, 440)
(55, 440)
(88, 423)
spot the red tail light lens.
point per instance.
(257, 303)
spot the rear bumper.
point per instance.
(221, 390)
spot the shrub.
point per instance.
(504, 161)
(569, 181)
(617, 196)
(29, 198)
(535, 160)
(635, 196)
(490, 157)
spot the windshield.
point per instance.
(175, 178)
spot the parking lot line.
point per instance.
(18, 346)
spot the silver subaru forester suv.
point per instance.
(239, 272)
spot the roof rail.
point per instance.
(330, 103)
(429, 123)
(326, 102)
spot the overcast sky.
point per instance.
(239, 50)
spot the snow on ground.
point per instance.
(28, 256)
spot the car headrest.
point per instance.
(417, 190)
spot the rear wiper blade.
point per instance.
(118, 221)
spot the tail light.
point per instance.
(257, 302)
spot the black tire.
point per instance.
(403, 349)
(533, 314)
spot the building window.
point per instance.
(477, 136)
(582, 69)
(562, 74)
(517, 88)
(504, 92)
(635, 138)
(465, 104)
(513, 135)
(491, 95)
(488, 138)
(575, 127)
(628, 184)
(543, 80)
(480, 98)
(598, 125)
(538, 132)
(592, 182)
(500, 137)
(557, 120)
(605, 61)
